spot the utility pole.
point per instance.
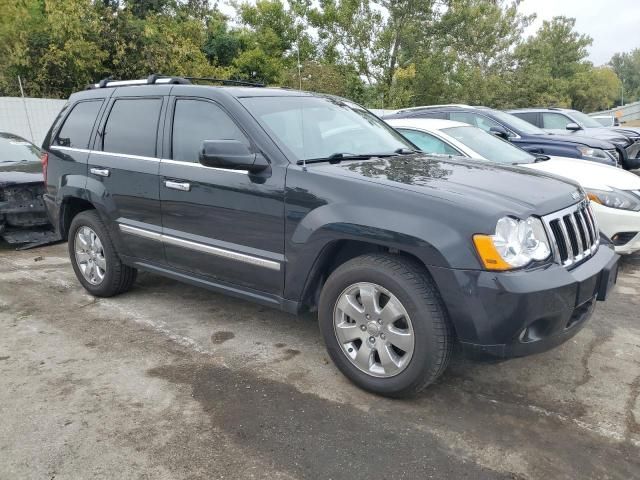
(298, 51)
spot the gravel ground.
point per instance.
(170, 381)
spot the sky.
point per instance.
(614, 25)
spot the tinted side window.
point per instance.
(555, 120)
(531, 117)
(132, 127)
(428, 143)
(76, 130)
(197, 120)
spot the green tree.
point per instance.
(595, 89)
(627, 67)
(548, 63)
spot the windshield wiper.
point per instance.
(338, 157)
(541, 158)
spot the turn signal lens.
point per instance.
(594, 198)
(488, 253)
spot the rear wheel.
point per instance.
(94, 259)
(384, 324)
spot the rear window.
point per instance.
(76, 130)
(132, 127)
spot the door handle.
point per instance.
(101, 172)
(182, 186)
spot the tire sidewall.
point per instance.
(426, 350)
(88, 219)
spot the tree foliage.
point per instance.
(383, 53)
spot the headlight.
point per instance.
(595, 154)
(516, 243)
(615, 199)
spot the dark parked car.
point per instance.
(302, 201)
(519, 132)
(565, 120)
(23, 218)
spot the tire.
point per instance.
(397, 280)
(116, 277)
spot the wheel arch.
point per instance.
(69, 208)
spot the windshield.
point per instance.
(585, 120)
(604, 121)
(319, 127)
(16, 149)
(511, 121)
(489, 146)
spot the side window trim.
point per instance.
(71, 108)
(98, 143)
(167, 148)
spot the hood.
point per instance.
(589, 174)
(631, 132)
(20, 172)
(605, 134)
(554, 138)
(476, 184)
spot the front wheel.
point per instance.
(384, 324)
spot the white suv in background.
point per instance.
(614, 193)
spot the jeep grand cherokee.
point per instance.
(304, 201)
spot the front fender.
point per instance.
(328, 225)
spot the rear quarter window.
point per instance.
(77, 127)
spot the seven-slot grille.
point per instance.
(574, 233)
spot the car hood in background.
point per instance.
(589, 174)
(483, 184)
(605, 134)
(20, 172)
(592, 142)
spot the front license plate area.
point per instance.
(587, 289)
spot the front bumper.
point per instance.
(523, 312)
(614, 221)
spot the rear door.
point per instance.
(224, 224)
(123, 170)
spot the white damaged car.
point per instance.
(614, 193)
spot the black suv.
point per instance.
(566, 120)
(520, 132)
(302, 201)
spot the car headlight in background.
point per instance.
(615, 199)
(595, 154)
(515, 244)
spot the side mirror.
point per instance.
(499, 131)
(574, 127)
(232, 155)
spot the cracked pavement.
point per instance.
(172, 381)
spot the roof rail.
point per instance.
(157, 79)
(225, 81)
(427, 107)
(153, 79)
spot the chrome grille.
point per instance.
(573, 232)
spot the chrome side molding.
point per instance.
(200, 247)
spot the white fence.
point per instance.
(30, 118)
(630, 111)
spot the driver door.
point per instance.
(223, 224)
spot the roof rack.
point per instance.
(153, 79)
(157, 79)
(225, 81)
